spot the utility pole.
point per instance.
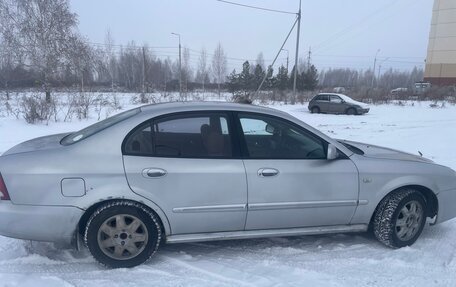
(297, 55)
(288, 57)
(373, 72)
(180, 65)
(278, 53)
(309, 58)
(143, 71)
(297, 21)
(380, 68)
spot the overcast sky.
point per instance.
(342, 33)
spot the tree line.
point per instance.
(253, 78)
(40, 46)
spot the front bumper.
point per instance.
(39, 223)
(447, 205)
(362, 110)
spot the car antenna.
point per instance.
(421, 154)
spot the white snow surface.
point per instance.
(330, 260)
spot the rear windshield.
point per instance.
(97, 127)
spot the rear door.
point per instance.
(323, 103)
(186, 163)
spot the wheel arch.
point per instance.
(432, 204)
(351, 108)
(162, 219)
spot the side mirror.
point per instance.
(332, 153)
(269, 129)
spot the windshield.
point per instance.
(97, 127)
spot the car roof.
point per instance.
(332, 94)
(206, 106)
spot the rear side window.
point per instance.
(140, 141)
(323, 98)
(182, 136)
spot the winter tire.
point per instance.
(351, 111)
(315, 110)
(400, 218)
(122, 234)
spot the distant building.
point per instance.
(441, 56)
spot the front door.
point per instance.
(290, 181)
(336, 105)
(185, 164)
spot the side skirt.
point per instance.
(183, 238)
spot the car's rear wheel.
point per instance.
(315, 110)
(400, 218)
(351, 111)
(122, 234)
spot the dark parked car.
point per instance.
(336, 104)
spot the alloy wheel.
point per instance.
(122, 237)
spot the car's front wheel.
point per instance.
(351, 111)
(400, 218)
(122, 234)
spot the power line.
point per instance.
(257, 8)
(231, 58)
(349, 28)
(233, 62)
(362, 29)
(131, 46)
(365, 57)
(153, 49)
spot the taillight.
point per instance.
(3, 191)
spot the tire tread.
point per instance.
(123, 203)
(383, 222)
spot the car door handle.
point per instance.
(153, 172)
(268, 172)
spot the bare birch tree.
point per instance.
(219, 66)
(202, 73)
(110, 58)
(42, 30)
(7, 64)
(186, 68)
(260, 60)
(80, 59)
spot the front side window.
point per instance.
(336, 99)
(183, 136)
(272, 138)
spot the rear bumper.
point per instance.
(447, 205)
(39, 223)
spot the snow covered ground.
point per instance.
(336, 260)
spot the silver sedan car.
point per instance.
(187, 172)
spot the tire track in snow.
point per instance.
(204, 271)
